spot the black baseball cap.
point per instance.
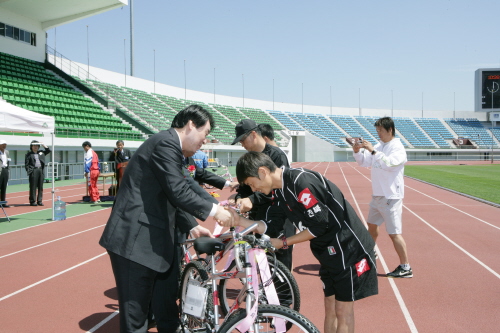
(242, 128)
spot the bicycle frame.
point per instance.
(246, 269)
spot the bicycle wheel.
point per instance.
(295, 322)
(194, 273)
(284, 282)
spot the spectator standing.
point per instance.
(119, 155)
(34, 163)
(200, 159)
(92, 171)
(386, 159)
(5, 166)
(338, 238)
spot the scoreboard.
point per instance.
(487, 90)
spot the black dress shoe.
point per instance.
(32, 204)
(40, 204)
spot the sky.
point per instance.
(405, 55)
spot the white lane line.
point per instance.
(104, 321)
(47, 189)
(46, 223)
(399, 298)
(49, 207)
(55, 240)
(455, 244)
(461, 211)
(50, 277)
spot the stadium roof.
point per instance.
(52, 13)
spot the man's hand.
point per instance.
(245, 205)
(367, 145)
(200, 231)
(223, 216)
(277, 243)
(356, 147)
(233, 186)
(235, 219)
(86, 174)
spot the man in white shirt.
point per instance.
(386, 159)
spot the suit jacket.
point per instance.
(201, 175)
(185, 221)
(29, 160)
(6, 152)
(120, 158)
(142, 224)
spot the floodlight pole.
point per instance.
(131, 4)
(88, 54)
(154, 71)
(492, 140)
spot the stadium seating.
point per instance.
(286, 121)
(29, 85)
(436, 130)
(353, 128)
(320, 126)
(472, 129)
(413, 134)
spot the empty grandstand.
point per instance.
(90, 103)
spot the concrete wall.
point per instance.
(21, 49)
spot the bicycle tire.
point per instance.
(195, 271)
(295, 322)
(284, 282)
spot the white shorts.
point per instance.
(388, 211)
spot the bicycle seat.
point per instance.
(208, 245)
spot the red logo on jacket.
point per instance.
(307, 198)
(362, 267)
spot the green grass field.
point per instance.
(482, 181)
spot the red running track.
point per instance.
(56, 278)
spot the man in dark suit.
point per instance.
(164, 312)
(119, 155)
(4, 170)
(34, 163)
(140, 235)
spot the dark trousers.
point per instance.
(36, 183)
(4, 179)
(285, 256)
(164, 302)
(137, 285)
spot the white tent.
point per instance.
(14, 118)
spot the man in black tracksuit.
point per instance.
(248, 133)
(338, 238)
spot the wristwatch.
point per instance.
(374, 152)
